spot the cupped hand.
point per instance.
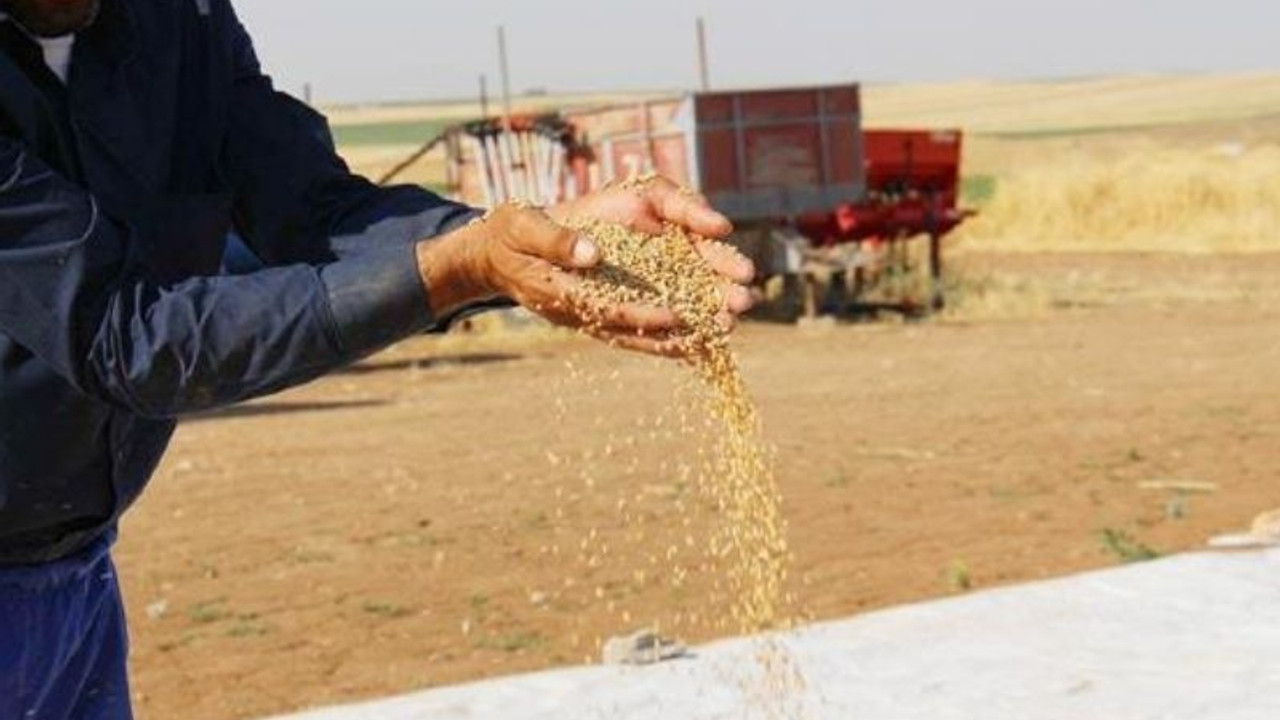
(648, 205)
(526, 254)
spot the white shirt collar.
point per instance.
(57, 51)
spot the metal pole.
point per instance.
(506, 77)
(704, 68)
(484, 96)
(306, 93)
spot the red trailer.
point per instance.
(809, 190)
(764, 155)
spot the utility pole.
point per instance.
(704, 68)
(506, 76)
(484, 96)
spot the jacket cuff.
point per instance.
(377, 298)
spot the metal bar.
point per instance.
(408, 162)
(704, 67)
(501, 184)
(647, 133)
(506, 77)
(740, 143)
(453, 161)
(692, 148)
(507, 156)
(823, 143)
(610, 172)
(782, 122)
(480, 156)
(937, 302)
(559, 191)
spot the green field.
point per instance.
(411, 132)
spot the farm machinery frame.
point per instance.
(814, 197)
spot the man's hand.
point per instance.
(524, 254)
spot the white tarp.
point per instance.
(1195, 636)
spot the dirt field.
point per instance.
(421, 519)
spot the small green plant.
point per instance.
(303, 556)
(247, 628)
(839, 482)
(1178, 506)
(1125, 547)
(183, 641)
(1005, 493)
(959, 579)
(210, 611)
(512, 642)
(386, 610)
(978, 189)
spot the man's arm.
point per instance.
(73, 293)
(296, 200)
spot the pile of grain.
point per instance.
(749, 541)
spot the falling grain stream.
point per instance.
(748, 542)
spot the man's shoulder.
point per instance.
(161, 14)
(161, 22)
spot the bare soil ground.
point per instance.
(418, 520)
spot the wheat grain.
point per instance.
(667, 270)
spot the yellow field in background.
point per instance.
(976, 106)
(1156, 198)
(1137, 102)
(1174, 163)
(1143, 163)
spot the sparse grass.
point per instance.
(184, 640)
(1005, 493)
(839, 481)
(959, 579)
(390, 611)
(512, 642)
(978, 190)
(247, 628)
(981, 296)
(537, 521)
(1125, 547)
(303, 556)
(210, 611)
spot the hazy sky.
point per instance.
(409, 49)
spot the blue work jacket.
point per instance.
(115, 199)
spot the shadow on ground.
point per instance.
(280, 408)
(369, 368)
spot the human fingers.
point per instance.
(533, 232)
(727, 261)
(659, 346)
(685, 208)
(560, 297)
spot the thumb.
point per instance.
(538, 235)
(584, 253)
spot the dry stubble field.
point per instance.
(388, 528)
(420, 520)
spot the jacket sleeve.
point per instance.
(297, 201)
(73, 292)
